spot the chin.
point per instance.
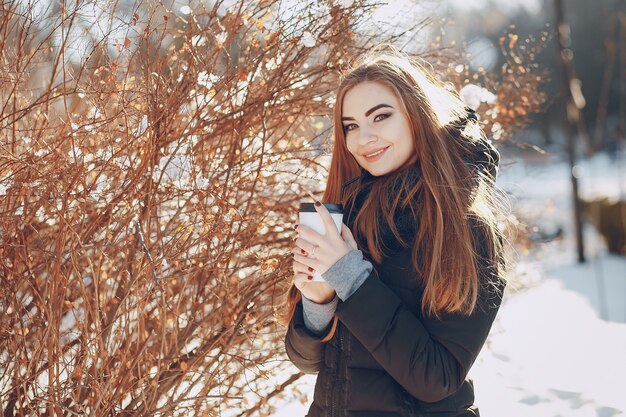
(378, 172)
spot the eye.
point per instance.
(381, 116)
(349, 127)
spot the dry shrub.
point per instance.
(151, 162)
(505, 97)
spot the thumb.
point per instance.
(346, 234)
(299, 284)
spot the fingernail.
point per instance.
(309, 277)
(310, 269)
(317, 203)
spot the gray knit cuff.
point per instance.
(318, 316)
(348, 274)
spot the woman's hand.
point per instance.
(317, 253)
(317, 291)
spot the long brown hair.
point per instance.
(454, 197)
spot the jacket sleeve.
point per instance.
(304, 348)
(430, 357)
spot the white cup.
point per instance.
(311, 218)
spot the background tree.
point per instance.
(595, 35)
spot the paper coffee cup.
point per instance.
(311, 218)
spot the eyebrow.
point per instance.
(370, 111)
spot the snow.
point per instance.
(550, 353)
(558, 346)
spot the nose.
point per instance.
(366, 135)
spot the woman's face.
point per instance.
(373, 120)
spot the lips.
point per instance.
(374, 153)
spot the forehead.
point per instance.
(366, 95)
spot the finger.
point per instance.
(304, 246)
(347, 236)
(302, 268)
(329, 223)
(310, 235)
(297, 249)
(306, 261)
(300, 280)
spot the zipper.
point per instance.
(335, 404)
(343, 376)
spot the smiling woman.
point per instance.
(414, 279)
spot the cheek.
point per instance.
(406, 135)
(350, 148)
(405, 142)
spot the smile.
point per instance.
(375, 155)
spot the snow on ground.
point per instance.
(558, 346)
(550, 353)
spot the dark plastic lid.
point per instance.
(332, 208)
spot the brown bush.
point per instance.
(151, 161)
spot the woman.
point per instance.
(406, 305)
